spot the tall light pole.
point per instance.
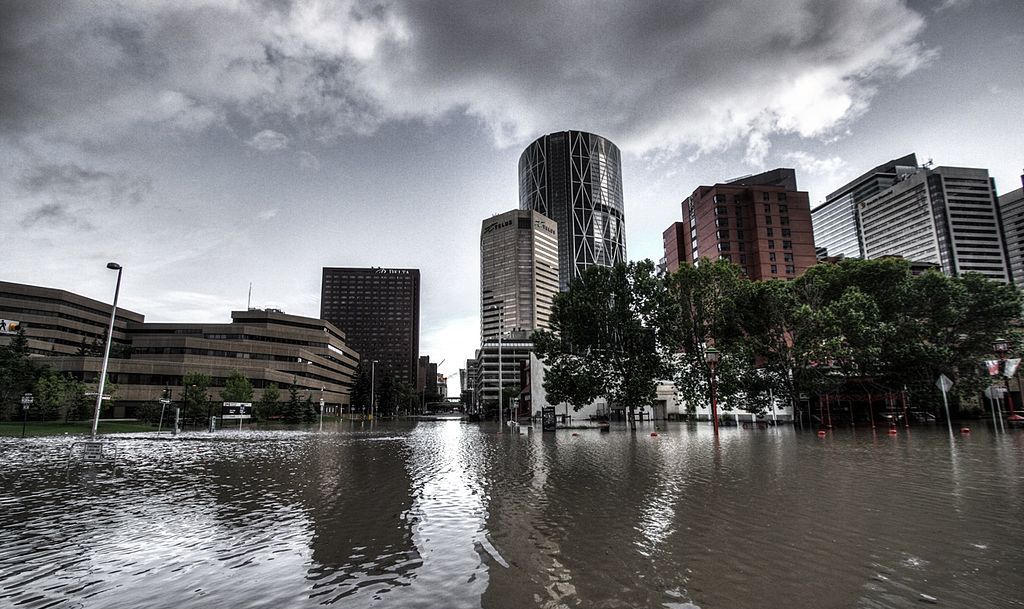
(501, 332)
(106, 351)
(373, 385)
(712, 356)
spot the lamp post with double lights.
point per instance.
(1001, 346)
(712, 356)
(106, 350)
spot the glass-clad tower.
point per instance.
(575, 178)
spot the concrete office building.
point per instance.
(947, 215)
(266, 346)
(500, 359)
(379, 311)
(518, 272)
(518, 282)
(836, 222)
(1011, 207)
(58, 322)
(761, 222)
(575, 178)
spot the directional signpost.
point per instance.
(237, 410)
(26, 401)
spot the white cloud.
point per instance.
(268, 140)
(813, 165)
(666, 76)
(267, 214)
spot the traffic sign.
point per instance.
(944, 383)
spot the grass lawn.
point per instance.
(59, 428)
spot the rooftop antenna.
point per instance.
(248, 303)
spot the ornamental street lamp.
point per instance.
(1001, 346)
(712, 356)
(106, 351)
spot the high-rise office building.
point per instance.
(518, 284)
(672, 240)
(836, 223)
(761, 222)
(518, 272)
(575, 178)
(1011, 205)
(947, 216)
(379, 311)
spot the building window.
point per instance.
(767, 219)
(771, 232)
(790, 269)
(739, 234)
(719, 198)
(737, 199)
(775, 270)
(742, 246)
(767, 208)
(787, 245)
(739, 222)
(788, 257)
(743, 258)
(723, 234)
(724, 246)
(782, 196)
(766, 196)
(721, 210)
(784, 220)
(771, 257)
(725, 257)
(722, 222)
(786, 232)
(783, 208)
(771, 244)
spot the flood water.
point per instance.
(450, 514)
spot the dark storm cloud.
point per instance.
(74, 182)
(55, 215)
(650, 75)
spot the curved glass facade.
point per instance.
(575, 178)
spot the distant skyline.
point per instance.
(206, 145)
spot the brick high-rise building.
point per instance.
(761, 222)
(379, 311)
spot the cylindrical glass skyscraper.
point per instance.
(575, 178)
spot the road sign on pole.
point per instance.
(944, 383)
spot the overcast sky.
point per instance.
(205, 145)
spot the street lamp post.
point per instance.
(106, 351)
(712, 356)
(322, 407)
(1001, 346)
(373, 386)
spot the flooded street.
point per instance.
(450, 514)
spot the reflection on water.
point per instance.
(450, 514)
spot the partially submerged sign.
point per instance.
(236, 410)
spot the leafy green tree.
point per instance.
(605, 338)
(237, 388)
(386, 396)
(78, 402)
(292, 411)
(309, 412)
(703, 309)
(267, 406)
(17, 374)
(361, 389)
(406, 398)
(196, 398)
(51, 395)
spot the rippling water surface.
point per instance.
(449, 514)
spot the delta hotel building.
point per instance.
(379, 311)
